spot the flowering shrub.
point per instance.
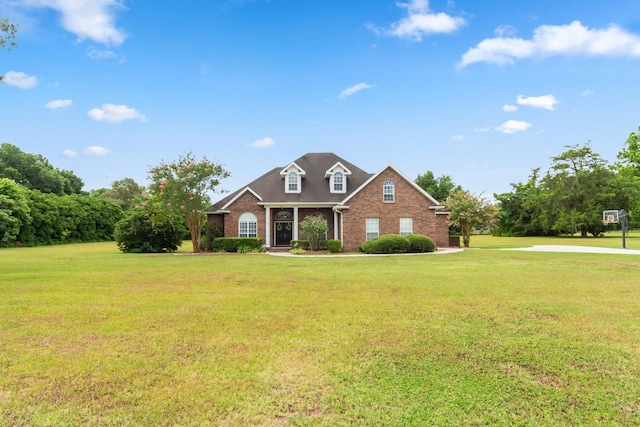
(183, 187)
(468, 211)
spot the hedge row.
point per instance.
(237, 244)
(397, 244)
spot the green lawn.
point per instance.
(91, 336)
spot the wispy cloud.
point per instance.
(510, 108)
(112, 113)
(551, 40)
(58, 103)
(547, 102)
(513, 126)
(87, 19)
(587, 92)
(458, 137)
(353, 89)
(69, 153)
(263, 143)
(420, 22)
(20, 80)
(96, 150)
(482, 130)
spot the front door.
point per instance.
(283, 233)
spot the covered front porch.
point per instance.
(282, 221)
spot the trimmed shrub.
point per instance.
(420, 243)
(387, 244)
(139, 233)
(231, 244)
(334, 245)
(302, 244)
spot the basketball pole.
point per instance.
(623, 217)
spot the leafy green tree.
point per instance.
(8, 33)
(518, 209)
(314, 228)
(183, 186)
(576, 189)
(124, 193)
(149, 228)
(470, 211)
(14, 211)
(34, 172)
(628, 168)
(439, 188)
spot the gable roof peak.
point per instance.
(292, 166)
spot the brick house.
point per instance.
(356, 204)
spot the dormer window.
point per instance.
(337, 175)
(292, 182)
(292, 175)
(338, 184)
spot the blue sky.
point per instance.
(483, 91)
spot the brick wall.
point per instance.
(245, 203)
(409, 203)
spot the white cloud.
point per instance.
(457, 137)
(20, 80)
(353, 89)
(510, 108)
(69, 153)
(96, 150)
(513, 126)
(547, 102)
(87, 19)
(95, 53)
(482, 130)
(263, 143)
(549, 40)
(505, 30)
(113, 113)
(420, 21)
(58, 103)
(587, 92)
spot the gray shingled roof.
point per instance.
(315, 187)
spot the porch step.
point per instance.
(279, 249)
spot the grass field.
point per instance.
(91, 336)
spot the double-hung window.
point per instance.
(373, 228)
(406, 226)
(388, 192)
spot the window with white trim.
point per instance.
(248, 225)
(338, 182)
(373, 228)
(406, 226)
(293, 182)
(388, 192)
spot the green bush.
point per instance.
(302, 244)
(334, 245)
(387, 244)
(139, 233)
(232, 244)
(420, 243)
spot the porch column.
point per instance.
(267, 227)
(335, 225)
(295, 223)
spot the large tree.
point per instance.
(123, 192)
(183, 186)
(576, 189)
(14, 211)
(34, 172)
(439, 188)
(470, 211)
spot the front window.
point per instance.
(248, 225)
(388, 192)
(406, 226)
(373, 228)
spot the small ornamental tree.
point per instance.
(314, 227)
(183, 187)
(469, 211)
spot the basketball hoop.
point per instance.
(610, 217)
